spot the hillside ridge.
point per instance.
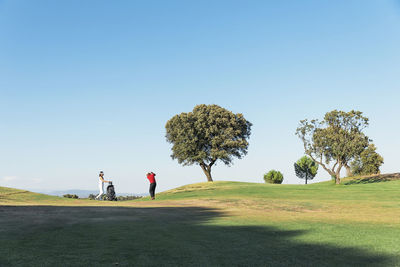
(221, 189)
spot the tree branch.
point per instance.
(334, 166)
(320, 163)
(212, 163)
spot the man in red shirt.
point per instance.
(152, 179)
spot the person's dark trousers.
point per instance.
(152, 189)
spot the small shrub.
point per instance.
(70, 196)
(119, 198)
(273, 177)
(125, 198)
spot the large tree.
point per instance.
(306, 168)
(207, 134)
(334, 141)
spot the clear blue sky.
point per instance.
(89, 85)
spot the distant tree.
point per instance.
(70, 196)
(337, 139)
(368, 162)
(207, 134)
(92, 197)
(273, 177)
(306, 168)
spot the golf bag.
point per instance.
(111, 193)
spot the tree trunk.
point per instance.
(207, 171)
(332, 171)
(348, 171)
(306, 177)
(337, 172)
(209, 177)
(337, 177)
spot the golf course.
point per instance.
(356, 223)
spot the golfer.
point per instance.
(151, 176)
(101, 184)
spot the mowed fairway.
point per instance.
(208, 224)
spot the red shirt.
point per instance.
(151, 178)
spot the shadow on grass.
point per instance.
(374, 179)
(166, 236)
(368, 180)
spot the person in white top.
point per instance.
(101, 184)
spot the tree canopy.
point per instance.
(337, 139)
(207, 134)
(368, 162)
(306, 168)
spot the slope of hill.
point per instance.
(209, 224)
(368, 179)
(13, 196)
(369, 188)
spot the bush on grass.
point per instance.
(273, 177)
(119, 198)
(125, 198)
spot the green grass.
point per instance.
(208, 224)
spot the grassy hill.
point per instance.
(209, 224)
